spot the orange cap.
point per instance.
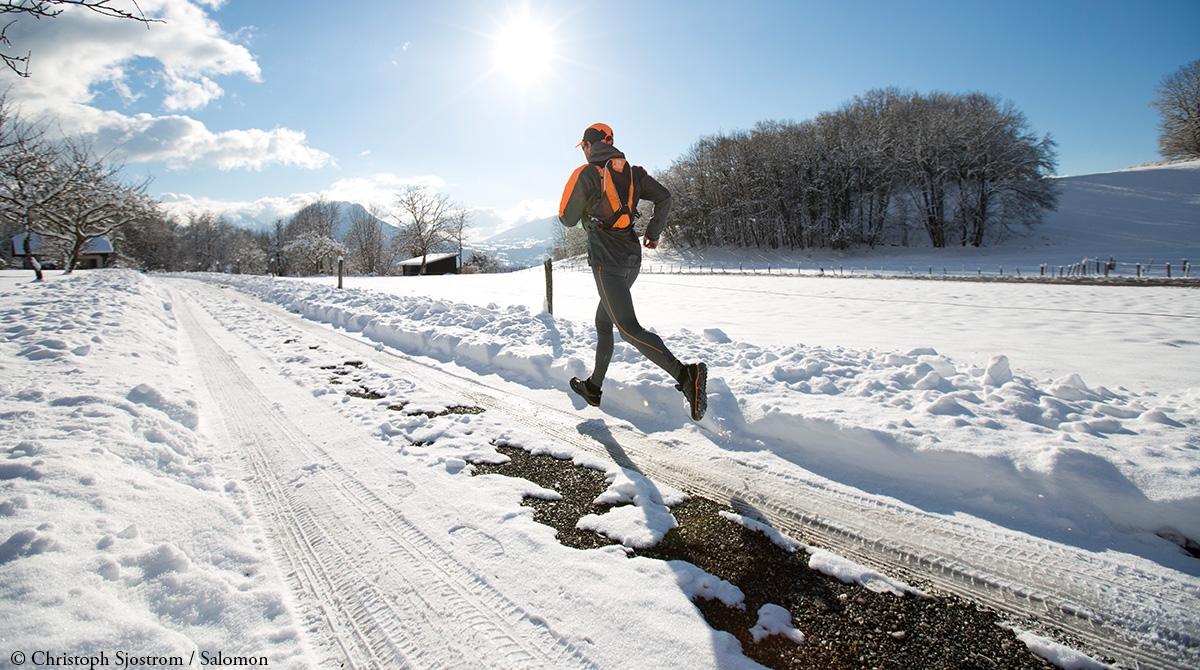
(597, 132)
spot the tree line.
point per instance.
(313, 240)
(959, 168)
(58, 195)
(310, 242)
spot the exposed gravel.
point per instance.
(845, 626)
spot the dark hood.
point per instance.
(603, 152)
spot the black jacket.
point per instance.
(616, 247)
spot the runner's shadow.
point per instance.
(722, 604)
(599, 431)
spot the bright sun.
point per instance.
(524, 49)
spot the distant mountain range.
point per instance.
(524, 245)
(347, 212)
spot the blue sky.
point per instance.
(258, 106)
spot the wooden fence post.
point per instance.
(341, 264)
(549, 287)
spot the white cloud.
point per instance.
(185, 143)
(379, 190)
(77, 52)
(489, 221)
(188, 94)
(265, 210)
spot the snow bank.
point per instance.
(853, 573)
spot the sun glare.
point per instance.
(524, 49)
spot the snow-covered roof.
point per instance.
(431, 258)
(99, 245)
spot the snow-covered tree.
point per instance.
(963, 168)
(479, 262)
(1178, 103)
(27, 178)
(92, 202)
(205, 242)
(368, 242)
(62, 193)
(277, 239)
(458, 227)
(320, 218)
(246, 256)
(315, 250)
(568, 242)
(152, 243)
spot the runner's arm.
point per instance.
(661, 197)
(570, 209)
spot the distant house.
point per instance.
(94, 255)
(435, 264)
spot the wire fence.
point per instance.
(1087, 269)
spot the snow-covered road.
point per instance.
(382, 591)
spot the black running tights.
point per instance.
(616, 308)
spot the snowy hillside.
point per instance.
(1141, 214)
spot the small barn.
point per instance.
(435, 264)
(95, 255)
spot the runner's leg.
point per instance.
(604, 344)
(613, 285)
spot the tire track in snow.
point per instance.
(1112, 606)
(385, 594)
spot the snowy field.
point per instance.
(1066, 413)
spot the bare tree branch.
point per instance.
(1178, 104)
(49, 9)
(426, 222)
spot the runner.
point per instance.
(604, 194)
